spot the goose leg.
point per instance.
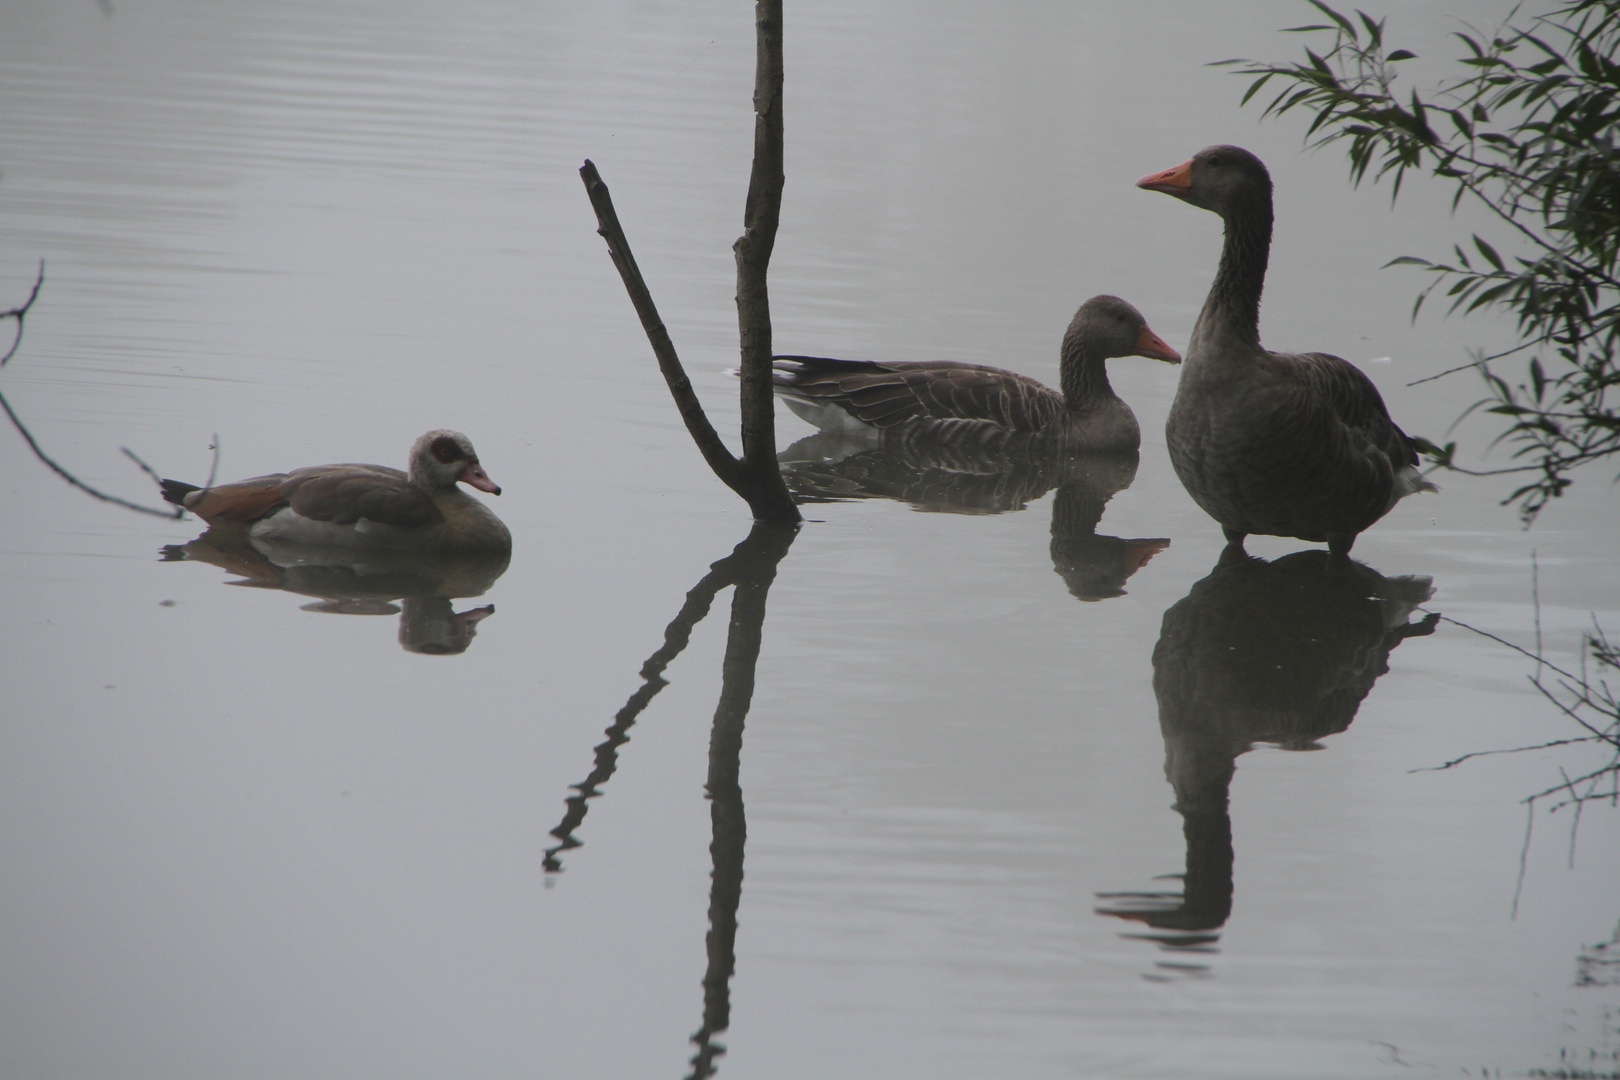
(1339, 545)
(1233, 536)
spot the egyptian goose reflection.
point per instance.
(347, 581)
(1275, 652)
(957, 480)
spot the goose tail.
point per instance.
(1409, 482)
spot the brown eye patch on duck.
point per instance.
(446, 449)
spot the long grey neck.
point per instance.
(1083, 374)
(1233, 307)
(1076, 509)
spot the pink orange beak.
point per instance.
(1153, 347)
(1176, 181)
(473, 475)
(1138, 552)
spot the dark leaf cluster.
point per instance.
(1530, 132)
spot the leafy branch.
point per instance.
(1531, 132)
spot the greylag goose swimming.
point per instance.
(1280, 444)
(973, 405)
(363, 505)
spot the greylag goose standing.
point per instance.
(370, 506)
(1281, 444)
(971, 405)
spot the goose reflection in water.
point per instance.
(351, 581)
(1276, 652)
(828, 467)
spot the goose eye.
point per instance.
(445, 450)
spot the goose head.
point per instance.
(1216, 178)
(1108, 326)
(442, 458)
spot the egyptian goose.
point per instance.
(371, 506)
(970, 405)
(1280, 444)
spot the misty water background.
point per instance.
(240, 838)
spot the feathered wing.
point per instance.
(1363, 411)
(343, 494)
(885, 395)
(1356, 401)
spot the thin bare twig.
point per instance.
(144, 467)
(1535, 598)
(1510, 750)
(74, 480)
(1448, 371)
(1580, 805)
(213, 467)
(1477, 362)
(1581, 695)
(1590, 779)
(1503, 641)
(1524, 855)
(21, 313)
(1581, 699)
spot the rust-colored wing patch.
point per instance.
(245, 500)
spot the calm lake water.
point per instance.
(245, 833)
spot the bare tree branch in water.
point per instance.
(754, 571)
(752, 566)
(20, 314)
(750, 569)
(1489, 753)
(676, 636)
(761, 213)
(754, 476)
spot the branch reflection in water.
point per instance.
(941, 479)
(750, 568)
(1276, 652)
(348, 581)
